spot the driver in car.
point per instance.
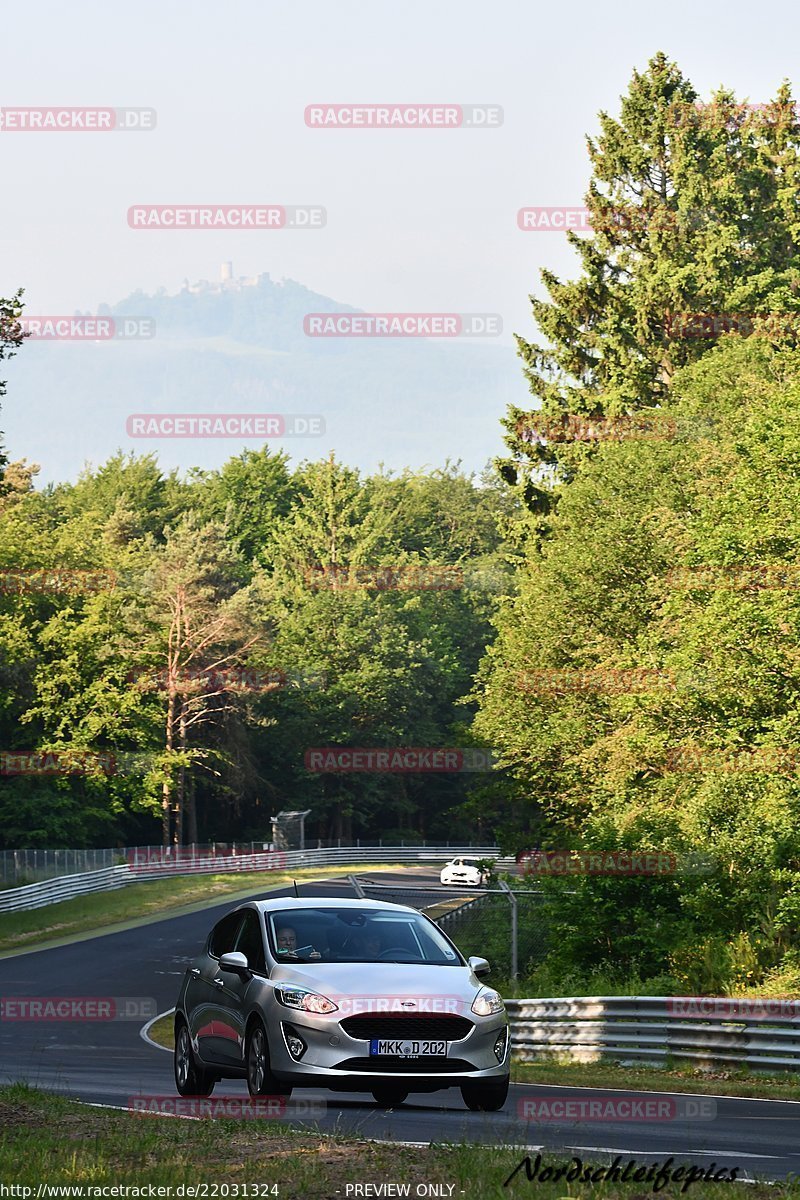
(286, 939)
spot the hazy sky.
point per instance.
(418, 220)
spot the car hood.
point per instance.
(386, 987)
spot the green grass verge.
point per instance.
(106, 911)
(163, 1031)
(46, 1139)
(651, 1079)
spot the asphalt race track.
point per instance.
(108, 1062)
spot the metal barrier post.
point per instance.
(512, 899)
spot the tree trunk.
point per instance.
(166, 793)
(191, 811)
(181, 796)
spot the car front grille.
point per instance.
(381, 1064)
(379, 1025)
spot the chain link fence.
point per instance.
(20, 867)
(507, 928)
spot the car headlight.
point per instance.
(487, 1002)
(302, 998)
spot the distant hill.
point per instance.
(239, 346)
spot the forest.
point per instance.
(610, 612)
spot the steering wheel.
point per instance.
(394, 951)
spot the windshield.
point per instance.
(357, 935)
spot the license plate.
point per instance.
(400, 1049)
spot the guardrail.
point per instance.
(20, 867)
(760, 1033)
(51, 891)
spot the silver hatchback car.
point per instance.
(352, 995)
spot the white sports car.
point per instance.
(464, 870)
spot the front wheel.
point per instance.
(190, 1079)
(485, 1097)
(260, 1080)
(389, 1097)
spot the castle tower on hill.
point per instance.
(227, 281)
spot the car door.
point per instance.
(206, 1015)
(232, 992)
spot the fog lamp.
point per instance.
(294, 1043)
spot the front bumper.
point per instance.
(336, 1060)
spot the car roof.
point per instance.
(299, 903)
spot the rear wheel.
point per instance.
(260, 1080)
(190, 1078)
(389, 1097)
(485, 1097)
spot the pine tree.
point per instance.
(694, 210)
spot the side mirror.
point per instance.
(234, 962)
(479, 966)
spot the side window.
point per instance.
(251, 943)
(223, 935)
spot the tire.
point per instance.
(260, 1080)
(485, 1097)
(190, 1078)
(388, 1096)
